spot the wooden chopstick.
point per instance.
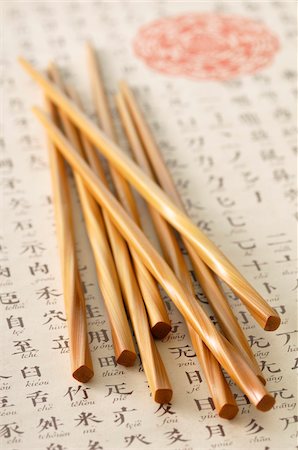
(266, 316)
(225, 353)
(74, 301)
(134, 122)
(224, 401)
(153, 366)
(157, 313)
(107, 275)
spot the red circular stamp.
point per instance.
(206, 46)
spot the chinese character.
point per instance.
(42, 268)
(175, 327)
(19, 204)
(253, 340)
(23, 225)
(84, 419)
(54, 315)
(52, 422)
(47, 293)
(265, 365)
(24, 347)
(4, 402)
(107, 361)
(215, 429)
(117, 389)
(9, 298)
(92, 312)
(129, 439)
(185, 350)
(175, 436)
(99, 336)
(119, 415)
(72, 391)
(205, 404)
(31, 372)
(254, 427)
(33, 249)
(280, 393)
(5, 272)
(8, 429)
(287, 335)
(193, 376)
(38, 397)
(165, 409)
(289, 421)
(62, 343)
(94, 445)
(14, 322)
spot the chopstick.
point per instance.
(266, 316)
(157, 313)
(225, 353)
(152, 363)
(224, 401)
(134, 122)
(107, 275)
(74, 301)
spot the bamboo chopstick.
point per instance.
(157, 313)
(107, 275)
(133, 118)
(224, 401)
(158, 318)
(153, 366)
(225, 353)
(266, 316)
(74, 301)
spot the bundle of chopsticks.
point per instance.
(129, 268)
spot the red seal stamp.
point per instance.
(206, 46)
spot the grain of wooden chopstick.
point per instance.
(157, 313)
(266, 316)
(152, 363)
(220, 391)
(134, 122)
(107, 275)
(225, 353)
(74, 301)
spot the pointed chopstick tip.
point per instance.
(83, 374)
(266, 403)
(161, 329)
(163, 395)
(126, 358)
(228, 411)
(272, 323)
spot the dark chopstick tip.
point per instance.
(163, 395)
(266, 403)
(228, 411)
(160, 330)
(126, 358)
(272, 323)
(83, 374)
